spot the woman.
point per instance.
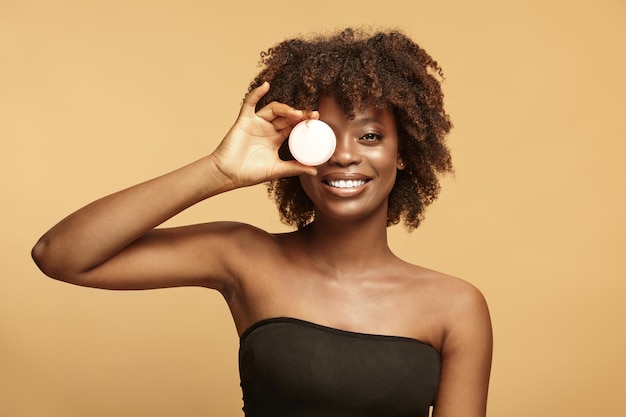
(332, 323)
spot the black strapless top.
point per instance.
(295, 368)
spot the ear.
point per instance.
(400, 163)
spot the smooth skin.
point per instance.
(338, 271)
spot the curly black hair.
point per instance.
(359, 69)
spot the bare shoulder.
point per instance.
(455, 307)
(243, 233)
(466, 312)
(454, 294)
(239, 241)
(463, 316)
(246, 248)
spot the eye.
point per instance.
(371, 137)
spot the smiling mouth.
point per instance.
(345, 183)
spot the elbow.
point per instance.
(40, 255)
(53, 259)
(43, 256)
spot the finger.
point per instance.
(276, 110)
(251, 100)
(311, 114)
(294, 168)
(282, 123)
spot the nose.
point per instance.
(346, 151)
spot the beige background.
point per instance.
(96, 96)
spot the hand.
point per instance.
(248, 154)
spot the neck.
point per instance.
(348, 247)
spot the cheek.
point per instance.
(386, 163)
(384, 160)
(390, 179)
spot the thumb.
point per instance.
(295, 168)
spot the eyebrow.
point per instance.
(361, 121)
(370, 119)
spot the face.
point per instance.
(356, 181)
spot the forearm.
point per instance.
(98, 231)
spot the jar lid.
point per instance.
(312, 142)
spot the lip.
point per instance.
(345, 184)
(344, 175)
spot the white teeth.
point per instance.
(346, 183)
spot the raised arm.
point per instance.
(113, 243)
